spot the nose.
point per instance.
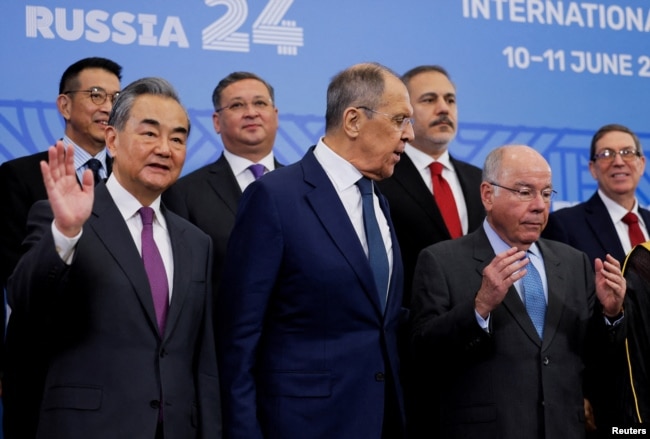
(407, 132)
(250, 110)
(538, 204)
(163, 148)
(442, 107)
(618, 159)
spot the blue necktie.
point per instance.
(95, 165)
(534, 297)
(376, 248)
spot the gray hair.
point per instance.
(145, 86)
(492, 165)
(359, 85)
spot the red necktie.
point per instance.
(633, 229)
(444, 198)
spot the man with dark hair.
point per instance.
(311, 297)
(423, 217)
(246, 117)
(86, 93)
(119, 287)
(611, 222)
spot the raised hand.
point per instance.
(71, 203)
(610, 285)
(504, 270)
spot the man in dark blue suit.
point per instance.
(307, 324)
(598, 227)
(119, 287)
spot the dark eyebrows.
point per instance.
(155, 123)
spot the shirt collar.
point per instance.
(128, 205)
(422, 160)
(240, 164)
(341, 172)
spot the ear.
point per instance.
(352, 122)
(592, 169)
(110, 137)
(216, 122)
(487, 195)
(63, 104)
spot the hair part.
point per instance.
(69, 79)
(613, 127)
(145, 86)
(236, 77)
(359, 85)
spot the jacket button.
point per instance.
(546, 361)
(163, 353)
(379, 376)
(154, 404)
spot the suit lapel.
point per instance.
(602, 227)
(556, 291)
(327, 205)
(408, 176)
(224, 183)
(182, 256)
(109, 226)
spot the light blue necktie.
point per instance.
(376, 248)
(534, 297)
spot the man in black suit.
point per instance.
(507, 353)
(247, 119)
(119, 287)
(415, 212)
(413, 202)
(87, 90)
(597, 227)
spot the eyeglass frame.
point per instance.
(533, 191)
(405, 121)
(245, 105)
(609, 154)
(99, 91)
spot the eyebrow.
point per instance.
(433, 94)
(155, 123)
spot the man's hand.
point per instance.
(503, 271)
(71, 204)
(610, 285)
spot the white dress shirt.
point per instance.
(239, 166)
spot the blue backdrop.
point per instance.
(541, 72)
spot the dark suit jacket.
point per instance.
(22, 185)
(208, 198)
(107, 365)
(418, 221)
(506, 384)
(305, 349)
(588, 227)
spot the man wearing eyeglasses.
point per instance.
(310, 302)
(246, 118)
(612, 222)
(503, 318)
(87, 90)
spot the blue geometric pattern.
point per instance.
(29, 127)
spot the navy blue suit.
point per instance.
(588, 227)
(305, 349)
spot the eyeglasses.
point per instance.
(97, 95)
(399, 120)
(240, 107)
(529, 194)
(609, 155)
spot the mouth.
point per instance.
(158, 167)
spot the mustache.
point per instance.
(442, 119)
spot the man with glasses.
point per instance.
(501, 317)
(310, 303)
(599, 225)
(246, 117)
(87, 90)
(611, 222)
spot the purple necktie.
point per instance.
(257, 169)
(155, 268)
